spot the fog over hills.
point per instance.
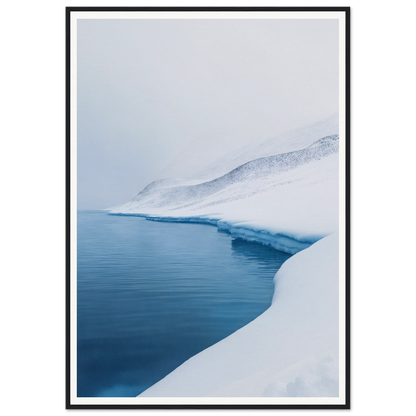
(205, 163)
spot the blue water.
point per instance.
(151, 295)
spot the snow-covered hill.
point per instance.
(288, 200)
(167, 193)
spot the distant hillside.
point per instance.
(170, 194)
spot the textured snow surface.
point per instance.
(166, 193)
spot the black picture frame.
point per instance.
(349, 407)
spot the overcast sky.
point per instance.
(149, 88)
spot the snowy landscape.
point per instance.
(284, 193)
(228, 122)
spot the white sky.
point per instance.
(148, 88)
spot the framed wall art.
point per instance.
(208, 207)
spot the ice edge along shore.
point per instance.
(279, 241)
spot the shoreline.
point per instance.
(279, 241)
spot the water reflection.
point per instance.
(151, 295)
(264, 256)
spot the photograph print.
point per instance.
(207, 207)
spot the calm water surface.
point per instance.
(152, 294)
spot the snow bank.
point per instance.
(291, 350)
(280, 242)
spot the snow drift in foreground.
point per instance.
(291, 350)
(288, 200)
